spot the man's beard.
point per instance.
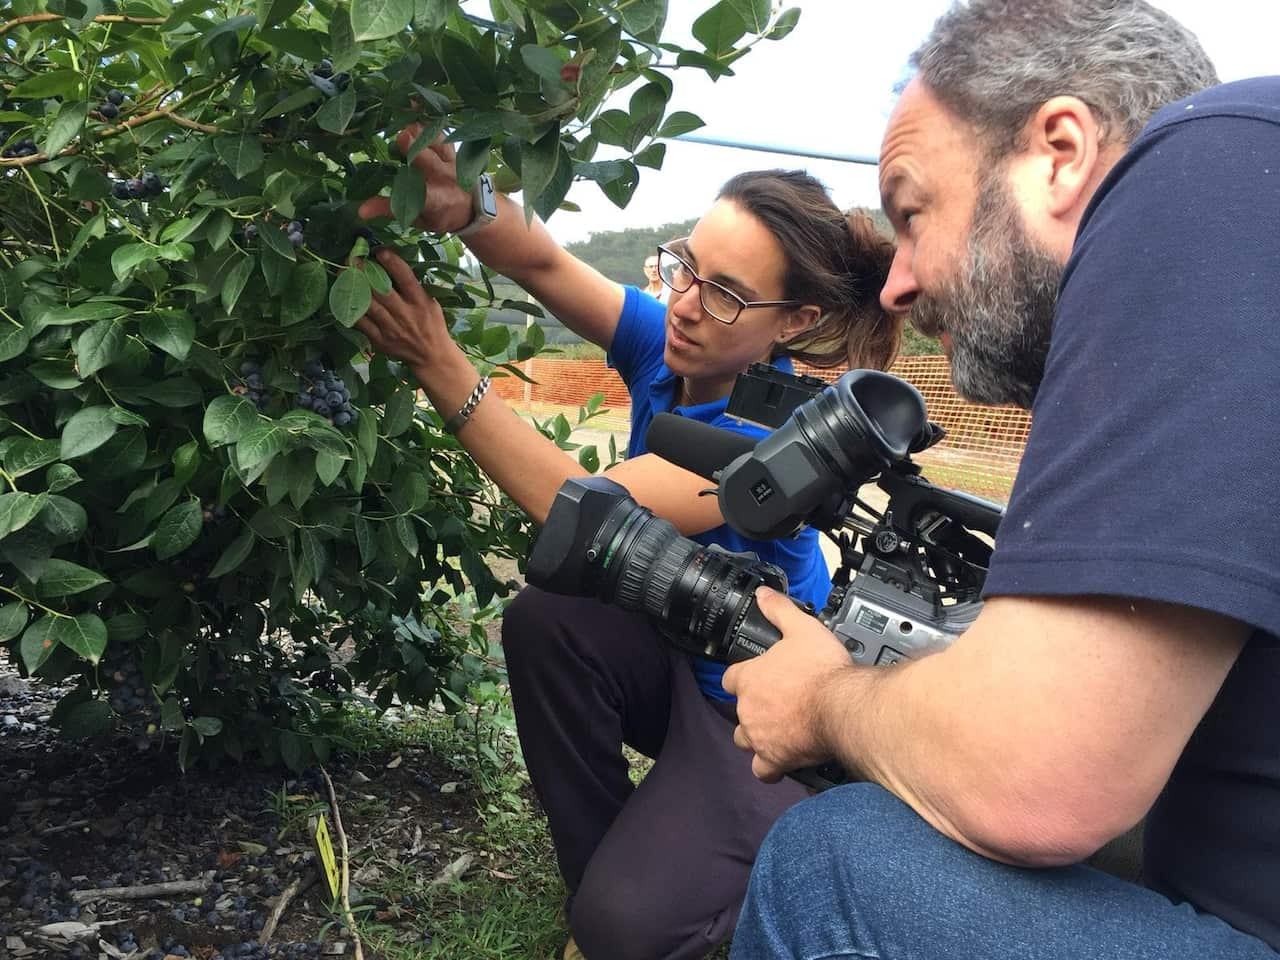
(999, 310)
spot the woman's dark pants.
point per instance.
(656, 871)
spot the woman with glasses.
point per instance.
(773, 271)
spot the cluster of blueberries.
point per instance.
(23, 148)
(110, 108)
(295, 230)
(138, 188)
(131, 696)
(326, 81)
(326, 395)
(250, 384)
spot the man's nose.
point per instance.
(901, 287)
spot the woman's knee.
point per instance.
(616, 918)
(533, 620)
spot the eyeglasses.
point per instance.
(720, 302)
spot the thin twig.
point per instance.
(105, 18)
(142, 891)
(346, 872)
(63, 827)
(282, 902)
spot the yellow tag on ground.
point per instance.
(328, 862)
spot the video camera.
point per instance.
(910, 576)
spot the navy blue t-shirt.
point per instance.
(1153, 465)
(636, 353)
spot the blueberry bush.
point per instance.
(208, 485)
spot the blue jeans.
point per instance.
(854, 872)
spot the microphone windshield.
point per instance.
(694, 445)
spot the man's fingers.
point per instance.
(765, 771)
(730, 679)
(779, 610)
(740, 738)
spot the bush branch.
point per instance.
(105, 18)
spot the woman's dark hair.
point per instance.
(835, 261)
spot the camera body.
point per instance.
(910, 577)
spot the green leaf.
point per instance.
(542, 63)
(38, 643)
(328, 467)
(754, 13)
(170, 330)
(405, 533)
(98, 346)
(62, 578)
(293, 751)
(125, 259)
(13, 341)
(242, 155)
(25, 455)
(58, 316)
(344, 52)
(207, 726)
(719, 28)
(274, 239)
(227, 419)
(399, 412)
(87, 430)
(171, 716)
(311, 562)
(186, 461)
(272, 12)
(620, 189)
(234, 555)
(350, 296)
(589, 458)
(174, 392)
(681, 121)
(408, 194)
(86, 635)
(260, 444)
(178, 529)
(60, 476)
(336, 113)
(538, 164)
(786, 22)
(45, 84)
(65, 127)
(13, 620)
(375, 19)
(234, 283)
(306, 293)
(64, 518)
(18, 509)
(124, 627)
(365, 540)
(651, 156)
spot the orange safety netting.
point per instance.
(980, 453)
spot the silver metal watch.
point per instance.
(484, 206)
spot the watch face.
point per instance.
(487, 196)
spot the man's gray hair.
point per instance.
(993, 63)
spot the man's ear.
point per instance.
(798, 321)
(1064, 138)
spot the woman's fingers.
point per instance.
(406, 284)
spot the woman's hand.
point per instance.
(406, 324)
(447, 207)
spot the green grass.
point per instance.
(508, 905)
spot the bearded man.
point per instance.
(1091, 228)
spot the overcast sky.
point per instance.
(828, 87)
